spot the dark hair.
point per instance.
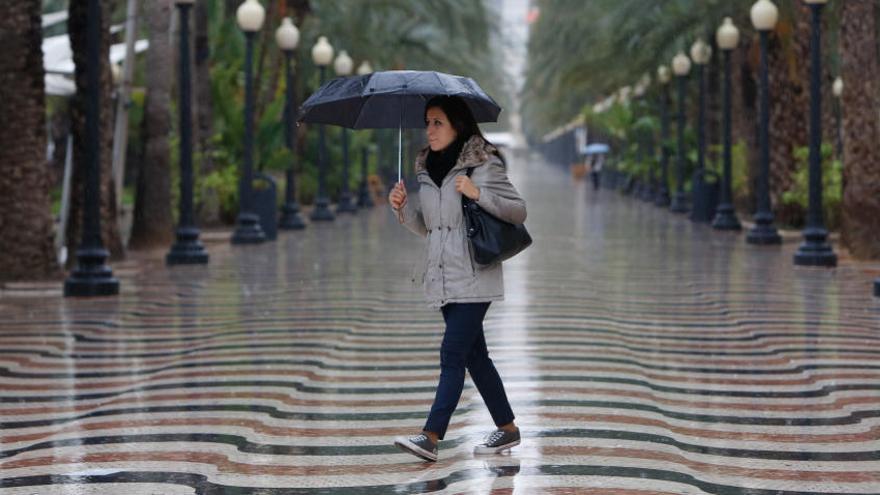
(461, 119)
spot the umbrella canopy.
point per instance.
(392, 99)
(596, 149)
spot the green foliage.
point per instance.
(633, 134)
(446, 35)
(581, 51)
(832, 184)
(224, 184)
(739, 170)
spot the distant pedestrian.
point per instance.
(596, 168)
(452, 281)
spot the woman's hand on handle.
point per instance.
(397, 197)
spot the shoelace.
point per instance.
(418, 438)
(494, 437)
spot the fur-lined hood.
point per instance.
(475, 152)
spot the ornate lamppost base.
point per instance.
(815, 250)
(248, 230)
(661, 199)
(290, 218)
(679, 204)
(823, 256)
(725, 218)
(364, 199)
(763, 233)
(187, 250)
(322, 211)
(346, 204)
(92, 277)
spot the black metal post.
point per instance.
(346, 201)
(92, 277)
(764, 232)
(188, 249)
(364, 199)
(248, 230)
(815, 250)
(322, 211)
(290, 217)
(651, 188)
(679, 200)
(725, 216)
(662, 197)
(699, 211)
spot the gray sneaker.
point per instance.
(498, 441)
(418, 445)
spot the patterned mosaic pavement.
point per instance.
(642, 355)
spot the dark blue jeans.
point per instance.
(464, 347)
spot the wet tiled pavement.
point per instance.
(642, 355)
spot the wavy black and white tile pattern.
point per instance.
(642, 354)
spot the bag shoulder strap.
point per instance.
(464, 199)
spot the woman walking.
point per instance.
(459, 161)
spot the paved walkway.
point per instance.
(642, 354)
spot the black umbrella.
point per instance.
(392, 99)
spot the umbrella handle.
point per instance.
(399, 150)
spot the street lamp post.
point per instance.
(664, 75)
(681, 65)
(815, 250)
(764, 15)
(725, 217)
(92, 277)
(250, 16)
(287, 37)
(364, 200)
(322, 54)
(187, 249)
(701, 53)
(343, 67)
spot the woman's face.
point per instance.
(438, 129)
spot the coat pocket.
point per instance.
(468, 252)
(420, 268)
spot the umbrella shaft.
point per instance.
(399, 151)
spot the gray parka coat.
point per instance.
(447, 271)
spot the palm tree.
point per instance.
(77, 28)
(153, 222)
(790, 104)
(26, 243)
(861, 129)
(580, 52)
(208, 211)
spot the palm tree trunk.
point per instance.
(789, 107)
(202, 83)
(153, 222)
(77, 26)
(745, 117)
(26, 246)
(208, 209)
(861, 129)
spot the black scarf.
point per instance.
(439, 163)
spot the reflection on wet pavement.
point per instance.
(642, 354)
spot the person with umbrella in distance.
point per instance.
(458, 161)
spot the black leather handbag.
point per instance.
(492, 240)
